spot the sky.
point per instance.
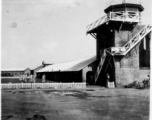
(52, 31)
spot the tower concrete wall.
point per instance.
(128, 68)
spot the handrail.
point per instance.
(100, 66)
(131, 43)
(96, 23)
(115, 50)
(137, 38)
(129, 16)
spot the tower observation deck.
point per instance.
(119, 33)
(124, 12)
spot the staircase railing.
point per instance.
(132, 42)
(97, 23)
(128, 16)
(137, 38)
(102, 60)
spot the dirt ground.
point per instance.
(93, 103)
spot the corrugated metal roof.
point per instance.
(41, 66)
(75, 65)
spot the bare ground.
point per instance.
(93, 103)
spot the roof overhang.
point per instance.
(110, 8)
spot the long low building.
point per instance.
(13, 72)
(81, 70)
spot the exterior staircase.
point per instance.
(99, 68)
(122, 51)
(131, 43)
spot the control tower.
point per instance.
(122, 44)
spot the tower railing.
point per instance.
(124, 16)
(131, 43)
(129, 16)
(115, 50)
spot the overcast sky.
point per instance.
(50, 30)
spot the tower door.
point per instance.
(107, 73)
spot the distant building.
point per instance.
(15, 72)
(39, 68)
(81, 70)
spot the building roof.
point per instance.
(39, 67)
(74, 65)
(42, 66)
(139, 6)
(14, 69)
